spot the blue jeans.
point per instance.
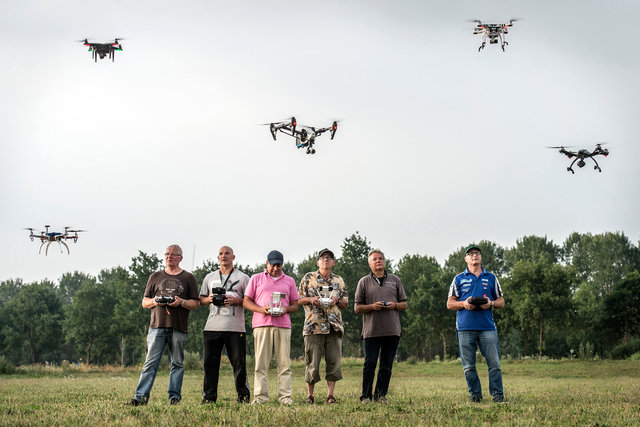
(156, 340)
(385, 347)
(468, 342)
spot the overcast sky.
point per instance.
(439, 145)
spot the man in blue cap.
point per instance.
(271, 296)
(474, 294)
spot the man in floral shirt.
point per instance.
(323, 294)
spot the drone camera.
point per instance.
(219, 295)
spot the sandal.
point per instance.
(309, 400)
(331, 399)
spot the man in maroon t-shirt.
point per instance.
(170, 294)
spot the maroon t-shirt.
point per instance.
(183, 285)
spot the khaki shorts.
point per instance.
(315, 346)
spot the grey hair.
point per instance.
(376, 251)
(176, 247)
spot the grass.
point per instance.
(568, 392)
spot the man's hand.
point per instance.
(231, 300)
(468, 305)
(176, 302)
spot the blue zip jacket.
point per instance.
(466, 285)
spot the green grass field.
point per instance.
(565, 392)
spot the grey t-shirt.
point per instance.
(225, 319)
(381, 323)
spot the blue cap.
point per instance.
(275, 257)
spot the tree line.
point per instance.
(580, 299)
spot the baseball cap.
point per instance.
(471, 246)
(275, 257)
(325, 251)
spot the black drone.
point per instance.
(581, 155)
(305, 135)
(103, 49)
(50, 237)
(495, 32)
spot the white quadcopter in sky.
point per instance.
(495, 32)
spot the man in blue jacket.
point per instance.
(474, 294)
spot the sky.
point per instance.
(438, 145)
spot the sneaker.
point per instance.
(475, 399)
(136, 402)
(382, 399)
(174, 401)
(287, 401)
(257, 402)
(365, 401)
(500, 399)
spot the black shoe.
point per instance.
(244, 399)
(500, 399)
(475, 399)
(206, 401)
(136, 402)
(174, 401)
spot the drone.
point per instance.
(495, 32)
(305, 135)
(581, 155)
(50, 237)
(103, 49)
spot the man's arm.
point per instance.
(292, 308)
(366, 308)
(250, 304)
(148, 302)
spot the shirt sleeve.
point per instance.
(293, 291)
(251, 288)
(360, 296)
(400, 295)
(204, 289)
(453, 289)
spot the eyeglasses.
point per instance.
(326, 258)
(168, 255)
(473, 253)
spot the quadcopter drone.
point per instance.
(580, 155)
(103, 49)
(305, 136)
(495, 32)
(50, 237)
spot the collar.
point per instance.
(319, 276)
(266, 273)
(380, 280)
(466, 271)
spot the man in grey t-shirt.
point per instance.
(379, 298)
(224, 290)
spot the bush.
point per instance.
(622, 351)
(6, 367)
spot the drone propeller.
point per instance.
(77, 231)
(561, 146)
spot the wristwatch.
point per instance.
(492, 304)
(182, 303)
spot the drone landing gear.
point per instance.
(597, 166)
(481, 47)
(60, 243)
(570, 170)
